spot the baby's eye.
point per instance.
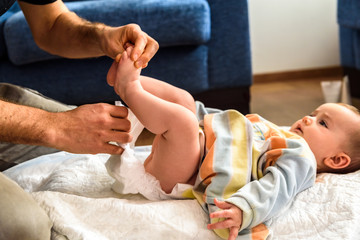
(323, 123)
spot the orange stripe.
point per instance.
(254, 118)
(272, 156)
(206, 168)
(277, 144)
(271, 133)
(209, 133)
(259, 232)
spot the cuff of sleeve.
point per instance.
(245, 207)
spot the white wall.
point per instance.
(289, 35)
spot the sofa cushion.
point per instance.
(356, 48)
(81, 81)
(349, 22)
(348, 13)
(346, 47)
(15, 8)
(170, 22)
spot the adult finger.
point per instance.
(113, 118)
(110, 148)
(147, 54)
(117, 58)
(120, 125)
(139, 39)
(119, 111)
(118, 136)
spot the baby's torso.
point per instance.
(270, 142)
(239, 148)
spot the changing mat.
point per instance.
(75, 191)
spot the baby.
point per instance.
(248, 169)
(332, 133)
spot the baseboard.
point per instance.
(328, 73)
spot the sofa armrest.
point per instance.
(171, 23)
(229, 46)
(348, 13)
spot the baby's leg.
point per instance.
(176, 153)
(168, 92)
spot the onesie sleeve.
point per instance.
(293, 172)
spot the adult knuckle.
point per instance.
(98, 108)
(102, 122)
(134, 26)
(155, 45)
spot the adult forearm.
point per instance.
(86, 129)
(61, 32)
(73, 37)
(21, 124)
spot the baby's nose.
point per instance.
(307, 120)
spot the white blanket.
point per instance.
(75, 191)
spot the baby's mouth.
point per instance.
(298, 130)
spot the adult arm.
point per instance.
(61, 32)
(86, 129)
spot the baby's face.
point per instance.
(326, 129)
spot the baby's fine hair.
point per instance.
(352, 147)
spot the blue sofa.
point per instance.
(348, 17)
(204, 48)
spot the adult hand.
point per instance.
(90, 128)
(232, 216)
(117, 39)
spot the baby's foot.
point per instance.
(126, 74)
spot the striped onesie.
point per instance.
(252, 164)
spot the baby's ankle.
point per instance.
(131, 88)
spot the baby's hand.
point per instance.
(232, 215)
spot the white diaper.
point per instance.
(130, 175)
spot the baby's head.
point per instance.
(333, 134)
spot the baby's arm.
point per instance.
(232, 218)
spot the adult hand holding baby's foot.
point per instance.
(111, 75)
(129, 45)
(122, 72)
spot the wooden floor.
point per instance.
(285, 102)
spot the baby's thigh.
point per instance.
(175, 157)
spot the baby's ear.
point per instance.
(339, 161)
